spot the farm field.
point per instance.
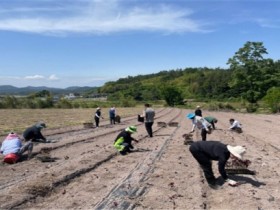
(88, 173)
(19, 119)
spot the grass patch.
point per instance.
(18, 120)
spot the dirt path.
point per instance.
(87, 172)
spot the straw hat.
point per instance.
(237, 151)
(41, 125)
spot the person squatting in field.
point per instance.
(12, 148)
(149, 115)
(212, 121)
(235, 126)
(123, 140)
(34, 134)
(206, 151)
(201, 124)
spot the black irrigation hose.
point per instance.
(67, 178)
(72, 143)
(119, 193)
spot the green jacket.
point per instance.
(211, 119)
(123, 137)
(118, 144)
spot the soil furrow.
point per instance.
(161, 173)
(73, 175)
(68, 143)
(120, 193)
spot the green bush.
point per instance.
(63, 103)
(252, 107)
(128, 103)
(214, 106)
(272, 99)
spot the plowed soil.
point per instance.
(82, 170)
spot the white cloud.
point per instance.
(101, 17)
(53, 77)
(34, 77)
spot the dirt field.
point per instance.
(87, 172)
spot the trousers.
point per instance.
(205, 164)
(149, 128)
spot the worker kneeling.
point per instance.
(124, 139)
(12, 148)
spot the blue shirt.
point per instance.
(11, 146)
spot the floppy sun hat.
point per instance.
(131, 129)
(41, 125)
(190, 115)
(237, 151)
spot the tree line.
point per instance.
(250, 77)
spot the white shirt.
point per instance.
(235, 124)
(200, 123)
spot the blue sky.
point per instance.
(62, 43)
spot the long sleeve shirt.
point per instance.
(200, 123)
(149, 114)
(235, 124)
(127, 138)
(33, 133)
(210, 119)
(11, 146)
(112, 113)
(98, 114)
(215, 150)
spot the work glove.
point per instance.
(231, 182)
(246, 162)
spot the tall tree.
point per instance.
(172, 96)
(247, 75)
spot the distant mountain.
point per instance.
(79, 89)
(11, 90)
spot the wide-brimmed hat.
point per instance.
(190, 115)
(237, 151)
(41, 125)
(98, 108)
(197, 106)
(131, 129)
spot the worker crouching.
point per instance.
(124, 140)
